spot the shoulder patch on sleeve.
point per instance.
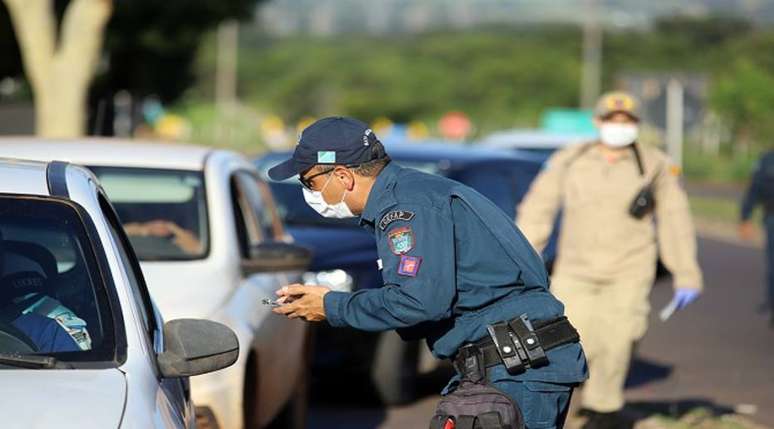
(409, 265)
(401, 240)
(675, 170)
(393, 216)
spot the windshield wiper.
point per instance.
(27, 361)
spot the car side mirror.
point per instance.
(277, 256)
(194, 347)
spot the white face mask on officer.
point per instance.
(618, 134)
(316, 201)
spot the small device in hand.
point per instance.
(271, 302)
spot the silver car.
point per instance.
(211, 246)
(81, 342)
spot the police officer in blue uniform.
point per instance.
(456, 271)
(761, 192)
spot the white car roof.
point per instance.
(23, 177)
(532, 139)
(107, 152)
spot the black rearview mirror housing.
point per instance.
(194, 347)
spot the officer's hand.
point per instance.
(302, 301)
(685, 296)
(746, 230)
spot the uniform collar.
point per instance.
(384, 181)
(597, 150)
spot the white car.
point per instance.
(533, 140)
(81, 343)
(211, 245)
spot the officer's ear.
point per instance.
(345, 176)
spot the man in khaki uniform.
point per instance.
(606, 260)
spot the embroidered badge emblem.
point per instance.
(409, 265)
(401, 240)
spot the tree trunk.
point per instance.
(60, 73)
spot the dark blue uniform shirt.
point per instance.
(453, 262)
(761, 190)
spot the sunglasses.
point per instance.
(306, 182)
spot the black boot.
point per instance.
(612, 420)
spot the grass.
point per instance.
(718, 169)
(715, 209)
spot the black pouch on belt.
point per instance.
(474, 404)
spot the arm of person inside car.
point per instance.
(183, 238)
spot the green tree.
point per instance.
(745, 97)
(149, 45)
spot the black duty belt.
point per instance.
(518, 344)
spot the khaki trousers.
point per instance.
(610, 316)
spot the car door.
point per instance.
(173, 405)
(279, 342)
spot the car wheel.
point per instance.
(294, 413)
(395, 368)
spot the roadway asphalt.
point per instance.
(717, 354)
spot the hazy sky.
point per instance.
(388, 16)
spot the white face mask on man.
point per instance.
(618, 135)
(316, 201)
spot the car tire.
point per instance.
(295, 412)
(395, 368)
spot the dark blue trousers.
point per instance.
(769, 224)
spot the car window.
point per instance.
(257, 210)
(164, 212)
(504, 182)
(259, 199)
(272, 215)
(139, 290)
(247, 226)
(52, 299)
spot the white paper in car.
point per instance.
(668, 311)
(379, 264)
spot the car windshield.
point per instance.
(164, 212)
(51, 299)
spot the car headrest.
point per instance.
(19, 284)
(32, 251)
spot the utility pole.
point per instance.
(225, 76)
(592, 56)
(674, 121)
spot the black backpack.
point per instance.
(477, 406)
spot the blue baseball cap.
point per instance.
(335, 141)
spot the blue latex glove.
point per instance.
(685, 296)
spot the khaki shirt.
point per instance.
(599, 239)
